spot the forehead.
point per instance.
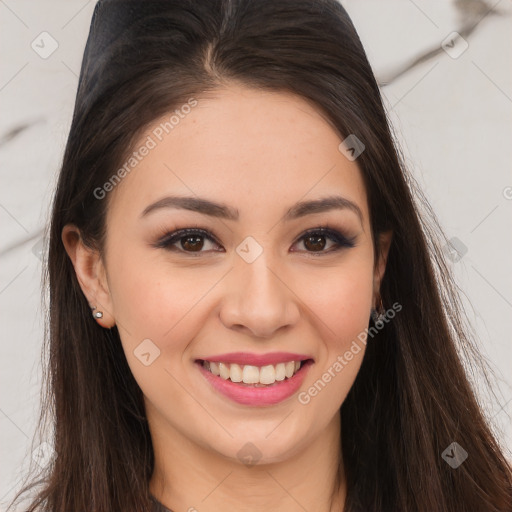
(243, 147)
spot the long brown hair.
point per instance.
(411, 398)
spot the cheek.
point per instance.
(340, 298)
(154, 312)
(151, 299)
(155, 303)
(341, 302)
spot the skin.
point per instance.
(259, 152)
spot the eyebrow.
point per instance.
(222, 211)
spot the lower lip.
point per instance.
(257, 396)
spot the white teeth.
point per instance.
(214, 368)
(289, 368)
(267, 374)
(235, 373)
(224, 371)
(249, 374)
(280, 372)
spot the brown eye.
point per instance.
(315, 241)
(189, 240)
(192, 243)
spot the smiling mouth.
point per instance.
(254, 376)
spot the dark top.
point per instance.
(157, 506)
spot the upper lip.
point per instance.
(246, 358)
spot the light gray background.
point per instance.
(451, 115)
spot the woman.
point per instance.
(273, 326)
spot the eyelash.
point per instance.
(169, 239)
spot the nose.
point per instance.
(259, 299)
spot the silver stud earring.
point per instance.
(97, 314)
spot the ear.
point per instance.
(381, 259)
(91, 274)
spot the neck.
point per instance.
(192, 478)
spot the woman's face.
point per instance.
(247, 286)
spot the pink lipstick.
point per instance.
(237, 376)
